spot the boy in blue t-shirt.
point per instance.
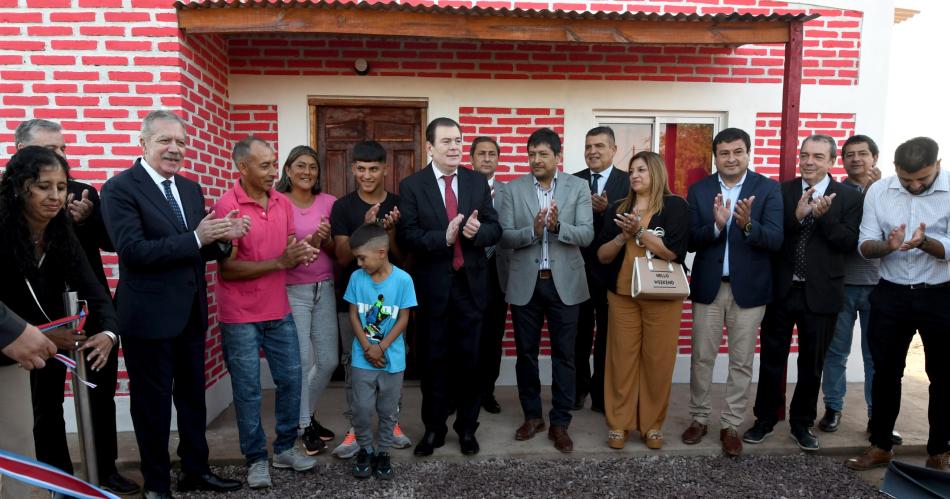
(380, 295)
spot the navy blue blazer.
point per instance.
(750, 269)
(161, 267)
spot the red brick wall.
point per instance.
(765, 150)
(830, 57)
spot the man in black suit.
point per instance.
(821, 222)
(484, 153)
(607, 185)
(84, 208)
(447, 221)
(156, 219)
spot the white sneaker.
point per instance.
(400, 440)
(258, 476)
(348, 447)
(292, 458)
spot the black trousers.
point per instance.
(815, 332)
(449, 345)
(493, 331)
(591, 331)
(161, 370)
(897, 313)
(49, 427)
(562, 329)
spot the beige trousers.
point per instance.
(742, 325)
(641, 353)
(16, 425)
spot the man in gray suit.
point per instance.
(546, 218)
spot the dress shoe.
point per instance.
(896, 438)
(872, 457)
(579, 401)
(468, 444)
(430, 441)
(562, 441)
(830, 422)
(759, 432)
(805, 439)
(151, 494)
(694, 433)
(529, 429)
(118, 484)
(207, 481)
(939, 462)
(490, 404)
(731, 443)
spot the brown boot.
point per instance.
(872, 457)
(694, 433)
(731, 443)
(939, 462)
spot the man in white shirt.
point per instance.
(905, 225)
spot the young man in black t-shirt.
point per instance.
(370, 202)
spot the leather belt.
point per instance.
(920, 285)
(544, 274)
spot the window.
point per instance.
(684, 140)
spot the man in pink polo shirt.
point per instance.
(254, 311)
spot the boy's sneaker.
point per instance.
(324, 434)
(348, 447)
(400, 440)
(258, 476)
(312, 441)
(363, 467)
(292, 458)
(382, 468)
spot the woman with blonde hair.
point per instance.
(642, 333)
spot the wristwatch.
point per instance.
(747, 228)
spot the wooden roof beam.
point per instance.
(454, 26)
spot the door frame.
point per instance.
(313, 102)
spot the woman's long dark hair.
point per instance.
(61, 244)
(284, 185)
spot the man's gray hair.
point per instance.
(24, 132)
(160, 115)
(242, 148)
(820, 137)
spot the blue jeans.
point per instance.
(833, 383)
(242, 344)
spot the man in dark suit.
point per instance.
(607, 185)
(84, 208)
(735, 218)
(484, 153)
(447, 221)
(156, 218)
(821, 221)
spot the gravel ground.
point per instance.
(661, 476)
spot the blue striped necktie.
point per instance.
(167, 184)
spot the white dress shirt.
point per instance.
(441, 183)
(158, 179)
(544, 201)
(886, 205)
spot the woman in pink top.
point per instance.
(310, 290)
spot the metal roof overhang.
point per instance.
(477, 23)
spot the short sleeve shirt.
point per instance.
(306, 222)
(262, 298)
(378, 305)
(347, 216)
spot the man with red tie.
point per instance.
(447, 221)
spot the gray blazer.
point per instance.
(518, 209)
(502, 255)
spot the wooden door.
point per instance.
(398, 126)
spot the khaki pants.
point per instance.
(742, 324)
(16, 425)
(641, 352)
